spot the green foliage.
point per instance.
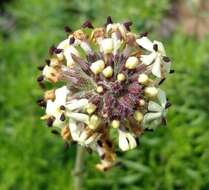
(175, 157)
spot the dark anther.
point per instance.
(161, 81)
(155, 47)
(62, 107)
(41, 102)
(41, 67)
(72, 40)
(99, 143)
(55, 132)
(50, 122)
(166, 59)
(57, 51)
(40, 78)
(128, 25)
(62, 117)
(109, 21)
(87, 24)
(102, 156)
(109, 143)
(168, 104)
(144, 34)
(48, 62)
(51, 49)
(67, 29)
(172, 71)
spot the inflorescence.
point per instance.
(107, 88)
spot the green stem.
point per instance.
(78, 170)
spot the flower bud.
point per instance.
(132, 62)
(107, 72)
(94, 122)
(107, 45)
(141, 102)
(100, 89)
(151, 92)
(143, 79)
(49, 95)
(138, 116)
(97, 67)
(121, 77)
(115, 124)
(91, 108)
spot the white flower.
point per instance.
(160, 63)
(156, 111)
(53, 107)
(126, 140)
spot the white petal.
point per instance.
(75, 130)
(123, 143)
(61, 95)
(161, 48)
(64, 44)
(132, 141)
(83, 136)
(77, 104)
(78, 117)
(146, 43)
(92, 139)
(162, 98)
(67, 53)
(51, 108)
(85, 46)
(148, 59)
(167, 67)
(151, 116)
(156, 68)
(154, 107)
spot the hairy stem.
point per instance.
(78, 170)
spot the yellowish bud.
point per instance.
(99, 89)
(141, 102)
(107, 45)
(121, 77)
(91, 108)
(132, 62)
(151, 92)
(97, 67)
(107, 72)
(115, 123)
(94, 122)
(138, 116)
(143, 79)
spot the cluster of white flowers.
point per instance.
(111, 80)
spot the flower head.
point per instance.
(110, 84)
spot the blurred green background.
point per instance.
(176, 157)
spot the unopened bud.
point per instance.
(151, 92)
(94, 122)
(97, 67)
(100, 89)
(143, 79)
(138, 116)
(49, 95)
(107, 45)
(132, 62)
(121, 77)
(107, 72)
(91, 108)
(115, 123)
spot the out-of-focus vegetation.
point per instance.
(176, 157)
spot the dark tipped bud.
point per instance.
(144, 34)
(128, 25)
(48, 62)
(87, 24)
(172, 71)
(51, 49)
(62, 107)
(99, 143)
(72, 40)
(57, 51)
(166, 59)
(50, 121)
(155, 47)
(40, 68)
(109, 21)
(41, 102)
(40, 78)
(62, 117)
(161, 82)
(55, 132)
(67, 29)
(168, 104)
